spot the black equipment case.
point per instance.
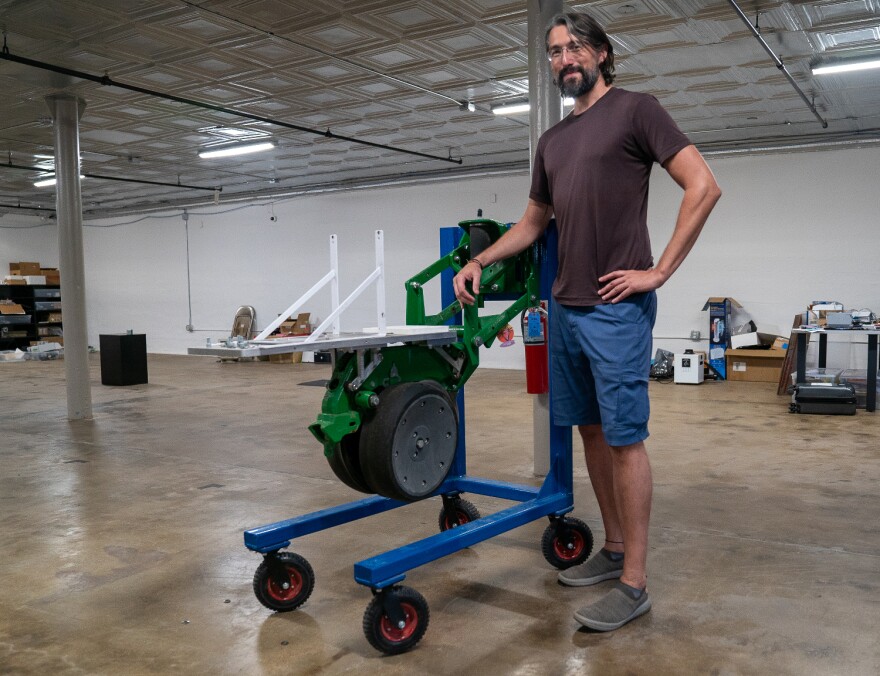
(827, 399)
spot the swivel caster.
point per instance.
(283, 581)
(456, 512)
(396, 619)
(566, 542)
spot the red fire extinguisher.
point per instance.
(534, 333)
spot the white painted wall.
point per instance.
(789, 229)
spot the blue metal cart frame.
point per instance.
(554, 498)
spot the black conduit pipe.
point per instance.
(778, 62)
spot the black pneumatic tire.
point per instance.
(568, 544)
(388, 638)
(463, 512)
(299, 576)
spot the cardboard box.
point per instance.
(35, 279)
(10, 308)
(52, 275)
(720, 320)
(24, 268)
(298, 327)
(14, 280)
(760, 366)
(754, 338)
(54, 317)
(289, 358)
(780, 343)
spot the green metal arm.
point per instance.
(345, 406)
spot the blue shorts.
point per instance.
(600, 360)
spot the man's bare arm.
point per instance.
(701, 192)
(521, 235)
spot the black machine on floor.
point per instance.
(825, 399)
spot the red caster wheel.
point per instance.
(396, 619)
(566, 542)
(283, 581)
(457, 512)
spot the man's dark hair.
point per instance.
(588, 31)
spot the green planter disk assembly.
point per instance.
(388, 421)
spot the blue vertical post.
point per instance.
(560, 479)
(449, 240)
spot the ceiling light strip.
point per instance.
(236, 149)
(778, 63)
(846, 67)
(522, 107)
(106, 81)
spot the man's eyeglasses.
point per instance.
(575, 49)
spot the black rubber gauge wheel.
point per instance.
(566, 542)
(391, 637)
(283, 581)
(463, 512)
(346, 465)
(407, 448)
(480, 240)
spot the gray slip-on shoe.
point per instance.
(596, 569)
(615, 609)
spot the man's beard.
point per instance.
(575, 89)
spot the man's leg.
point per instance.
(600, 465)
(632, 488)
(621, 479)
(632, 497)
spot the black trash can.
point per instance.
(123, 358)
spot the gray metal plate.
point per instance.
(433, 335)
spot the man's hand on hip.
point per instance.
(623, 283)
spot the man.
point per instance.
(591, 171)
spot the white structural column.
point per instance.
(545, 110)
(66, 111)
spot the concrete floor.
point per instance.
(123, 545)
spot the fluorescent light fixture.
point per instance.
(522, 107)
(846, 67)
(511, 108)
(46, 182)
(239, 149)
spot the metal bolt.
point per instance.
(415, 285)
(494, 287)
(457, 259)
(401, 624)
(569, 546)
(533, 297)
(286, 585)
(478, 341)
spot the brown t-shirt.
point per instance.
(593, 169)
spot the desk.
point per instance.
(802, 335)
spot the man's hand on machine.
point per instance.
(470, 273)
